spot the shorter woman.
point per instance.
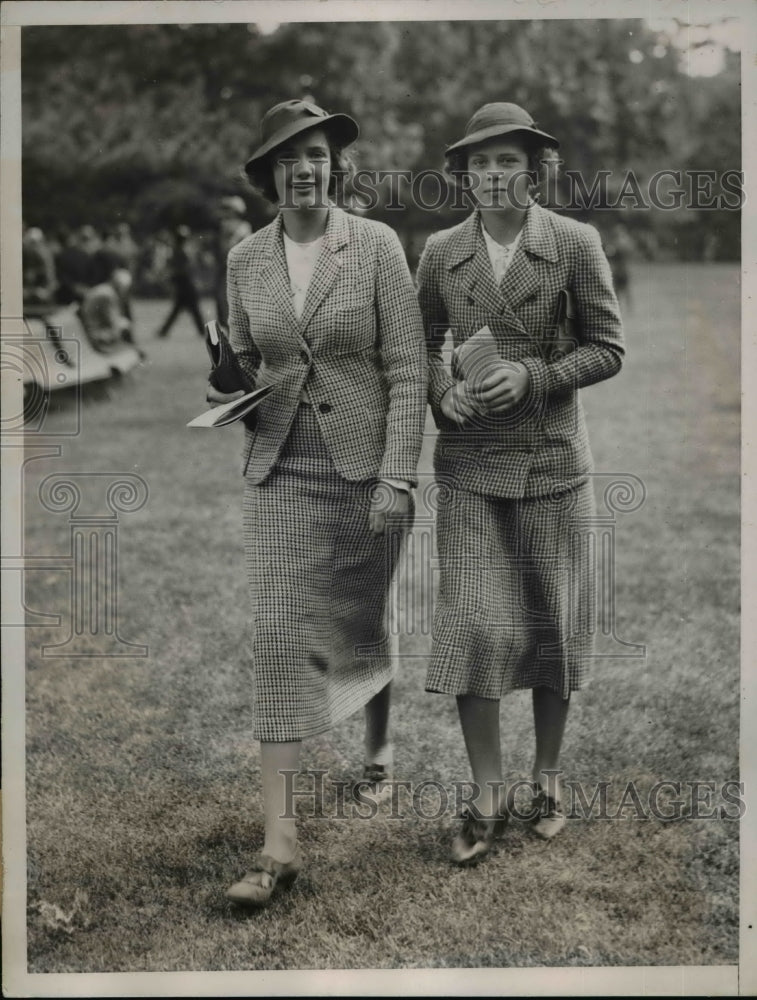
(516, 598)
(322, 304)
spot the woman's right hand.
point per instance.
(215, 398)
(457, 404)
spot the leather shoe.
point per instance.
(263, 879)
(477, 837)
(549, 818)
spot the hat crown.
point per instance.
(285, 120)
(499, 113)
(288, 113)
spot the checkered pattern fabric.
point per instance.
(319, 580)
(358, 347)
(517, 597)
(542, 444)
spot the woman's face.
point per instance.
(498, 173)
(302, 171)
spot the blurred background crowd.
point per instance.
(96, 273)
(133, 135)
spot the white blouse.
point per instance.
(301, 259)
(499, 255)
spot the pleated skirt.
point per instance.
(516, 606)
(319, 582)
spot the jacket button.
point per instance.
(324, 407)
(305, 357)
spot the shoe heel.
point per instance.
(287, 879)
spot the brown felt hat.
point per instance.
(500, 118)
(285, 120)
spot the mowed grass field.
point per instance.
(143, 784)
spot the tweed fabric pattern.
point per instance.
(358, 348)
(541, 445)
(319, 580)
(517, 597)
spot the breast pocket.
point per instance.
(354, 325)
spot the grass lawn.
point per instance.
(143, 794)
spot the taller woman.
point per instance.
(322, 303)
(516, 595)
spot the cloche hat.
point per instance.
(283, 121)
(499, 118)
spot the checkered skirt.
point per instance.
(319, 580)
(516, 601)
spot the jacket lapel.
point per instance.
(521, 282)
(328, 265)
(471, 260)
(275, 275)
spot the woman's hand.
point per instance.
(504, 388)
(215, 398)
(458, 405)
(387, 503)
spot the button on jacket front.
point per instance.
(358, 348)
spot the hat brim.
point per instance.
(342, 128)
(496, 130)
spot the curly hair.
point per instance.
(260, 173)
(542, 164)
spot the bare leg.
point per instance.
(550, 714)
(280, 833)
(479, 718)
(283, 856)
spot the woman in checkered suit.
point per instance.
(515, 607)
(322, 303)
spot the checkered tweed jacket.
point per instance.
(358, 347)
(542, 445)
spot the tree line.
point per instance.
(150, 123)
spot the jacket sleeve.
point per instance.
(435, 324)
(404, 361)
(240, 337)
(600, 349)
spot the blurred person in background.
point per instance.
(322, 304)
(124, 244)
(72, 269)
(104, 315)
(232, 227)
(90, 244)
(153, 263)
(619, 247)
(106, 258)
(182, 275)
(109, 257)
(38, 275)
(516, 600)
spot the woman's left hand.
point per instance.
(504, 388)
(387, 503)
(214, 397)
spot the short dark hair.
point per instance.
(260, 173)
(542, 162)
